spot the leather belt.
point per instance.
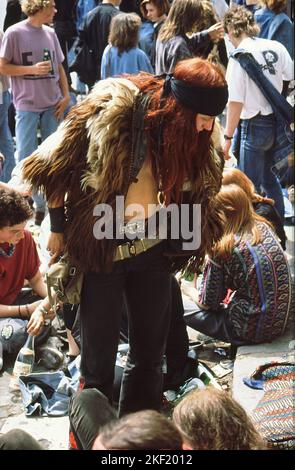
(135, 247)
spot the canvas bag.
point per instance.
(64, 282)
(274, 414)
(277, 101)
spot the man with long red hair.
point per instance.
(146, 140)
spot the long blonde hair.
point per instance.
(209, 419)
(239, 220)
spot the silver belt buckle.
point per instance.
(132, 228)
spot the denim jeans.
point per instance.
(6, 141)
(258, 139)
(26, 128)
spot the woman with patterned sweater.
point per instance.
(248, 260)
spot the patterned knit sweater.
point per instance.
(260, 278)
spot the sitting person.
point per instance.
(250, 261)
(209, 419)
(19, 261)
(144, 430)
(262, 205)
(94, 425)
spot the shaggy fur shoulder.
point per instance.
(87, 159)
(89, 142)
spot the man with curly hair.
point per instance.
(263, 140)
(19, 261)
(39, 87)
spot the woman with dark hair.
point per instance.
(132, 147)
(173, 43)
(156, 12)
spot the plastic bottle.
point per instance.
(24, 362)
(46, 57)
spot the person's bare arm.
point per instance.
(40, 68)
(64, 102)
(38, 285)
(18, 311)
(234, 110)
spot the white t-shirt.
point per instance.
(277, 66)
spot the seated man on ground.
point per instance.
(19, 261)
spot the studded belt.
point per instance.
(135, 247)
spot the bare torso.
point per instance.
(144, 192)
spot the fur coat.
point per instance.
(88, 160)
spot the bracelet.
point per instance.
(28, 311)
(19, 312)
(226, 137)
(57, 219)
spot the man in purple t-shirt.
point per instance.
(39, 87)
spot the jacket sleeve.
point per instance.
(199, 40)
(213, 290)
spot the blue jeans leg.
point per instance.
(6, 140)
(256, 158)
(48, 123)
(26, 126)
(26, 129)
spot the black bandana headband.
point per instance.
(202, 100)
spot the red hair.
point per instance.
(183, 152)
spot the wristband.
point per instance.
(19, 312)
(57, 219)
(226, 137)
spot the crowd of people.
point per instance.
(132, 177)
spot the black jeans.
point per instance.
(88, 411)
(177, 342)
(145, 281)
(215, 324)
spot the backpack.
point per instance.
(64, 282)
(84, 63)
